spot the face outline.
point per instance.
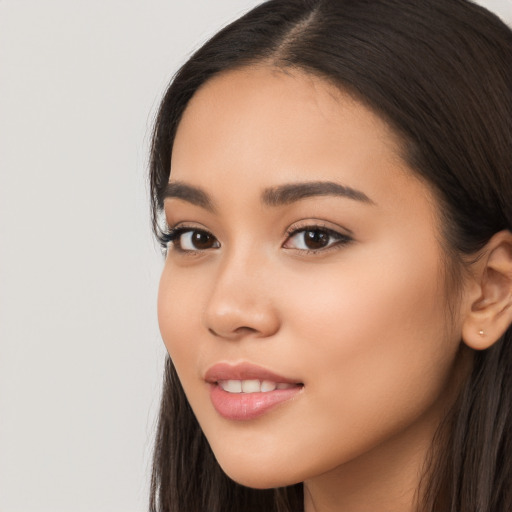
(361, 324)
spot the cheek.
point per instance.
(357, 299)
(374, 340)
(178, 316)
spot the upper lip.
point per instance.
(243, 371)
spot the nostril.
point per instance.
(245, 330)
(239, 331)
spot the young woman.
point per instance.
(332, 183)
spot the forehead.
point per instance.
(258, 127)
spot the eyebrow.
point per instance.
(189, 193)
(274, 196)
(289, 193)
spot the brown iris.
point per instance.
(202, 240)
(316, 239)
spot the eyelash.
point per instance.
(174, 234)
(340, 240)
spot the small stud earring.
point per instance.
(481, 332)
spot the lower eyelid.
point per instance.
(337, 239)
(172, 238)
(176, 233)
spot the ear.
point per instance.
(489, 312)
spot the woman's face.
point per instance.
(305, 270)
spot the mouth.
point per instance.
(253, 386)
(245, 392)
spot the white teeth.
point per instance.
(268, 385)
(231, 386)
(252, 386)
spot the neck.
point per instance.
(384, 479)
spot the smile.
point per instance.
(244, 391)
(253, 386)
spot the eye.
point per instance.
(315, 238)
(191, 240)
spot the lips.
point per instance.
(246, 391)
(252, 386)
(244, 371)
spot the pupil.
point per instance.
(316, 239)
(201, 240)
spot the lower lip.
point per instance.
(248, 406)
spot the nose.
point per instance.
(241, 303)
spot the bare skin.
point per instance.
(341, 291)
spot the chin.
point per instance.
(257, 477)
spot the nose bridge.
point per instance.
(241, 301)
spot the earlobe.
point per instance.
(490, 313)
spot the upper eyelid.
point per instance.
(292, 230)
(179, 227)
(187, 225)
(318, 224)
(185, 229)
(331, 232)
(289, 231)
(174, 233)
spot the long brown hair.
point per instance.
(440, 73)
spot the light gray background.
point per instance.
(80, 352)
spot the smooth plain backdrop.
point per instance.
(80, 353)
